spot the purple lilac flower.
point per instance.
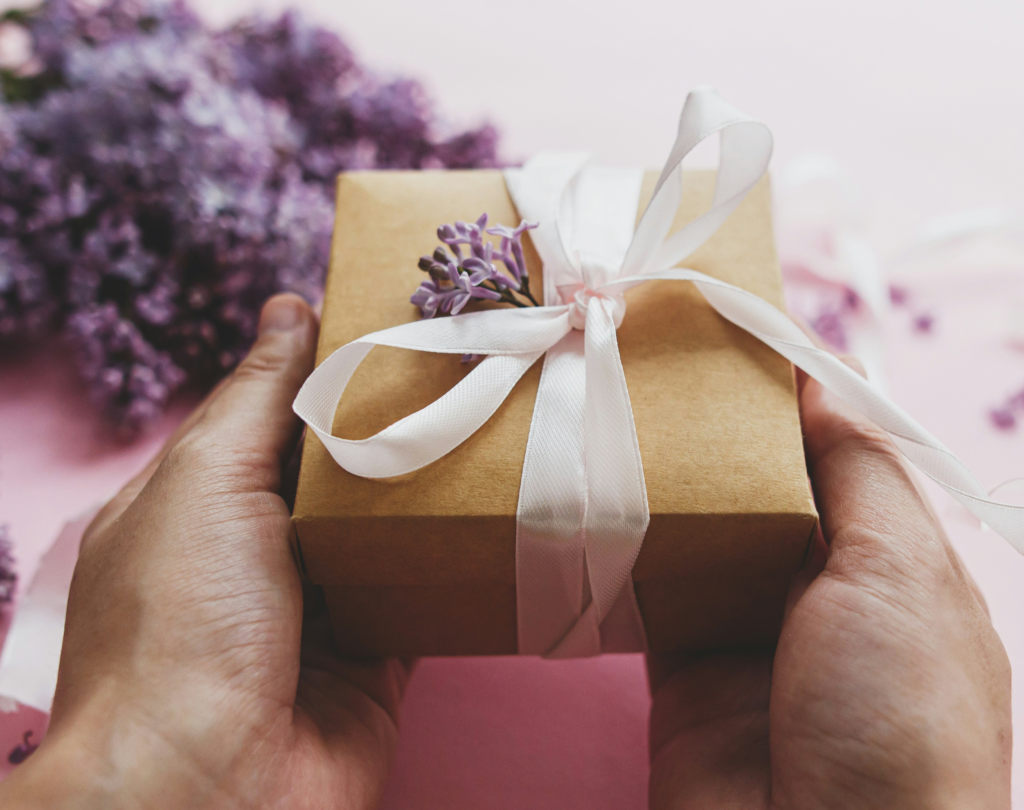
(924, 322)
(831, 320)
(23, 750)
(830, 327)
(457, 277)
(158, 181)
(122, 368)
(8, 572)
(1002, 418)
(511, 251)
(1005, 416)
(898, 296)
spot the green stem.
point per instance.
(526, 291)
(506, 295)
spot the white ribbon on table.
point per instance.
(583, 510)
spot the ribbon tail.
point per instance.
(550, 562)
(773, 328)
(617, 510)
(582, 505)
(557, 617)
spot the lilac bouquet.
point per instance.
(158, 181)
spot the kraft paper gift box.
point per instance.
(425, 564)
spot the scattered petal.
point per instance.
(23, 750)
(1002, 418)
(898, 296)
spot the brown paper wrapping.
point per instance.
(424, 564)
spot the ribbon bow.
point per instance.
(583, 512)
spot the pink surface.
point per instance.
(915, 106)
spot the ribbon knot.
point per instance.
(580, 300)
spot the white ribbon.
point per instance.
(583, 510)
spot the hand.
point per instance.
(889, 687)
(180, 680)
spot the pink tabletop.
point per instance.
(913, 105)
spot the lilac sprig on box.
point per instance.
(465, 267)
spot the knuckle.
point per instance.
(212, 461)
(264, 360)
(869, 438)
(195, 453)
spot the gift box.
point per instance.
(425, 563)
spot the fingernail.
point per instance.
(281, 313)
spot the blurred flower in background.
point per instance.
(158, 181)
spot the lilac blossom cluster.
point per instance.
(158, 181)
(455, 278)
(831, 322)
(1006, 416)
(839, 307)
(922, 321)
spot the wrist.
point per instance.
(104, 759)
(54, 777)
(71, 776)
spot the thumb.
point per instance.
(873, 517)
(251, 419)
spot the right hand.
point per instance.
(889, 687)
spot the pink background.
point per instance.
(921, 103)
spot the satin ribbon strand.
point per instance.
(617, 513)
(773, 328)
(552, 508)
(745, 149)
(423, 437)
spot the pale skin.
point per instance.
(189, 678)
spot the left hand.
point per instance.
(186, 679)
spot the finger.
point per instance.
(817, 557)
(708, 734)
(251, 420)
(272, 320)
(290, 476)
(873, 516)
